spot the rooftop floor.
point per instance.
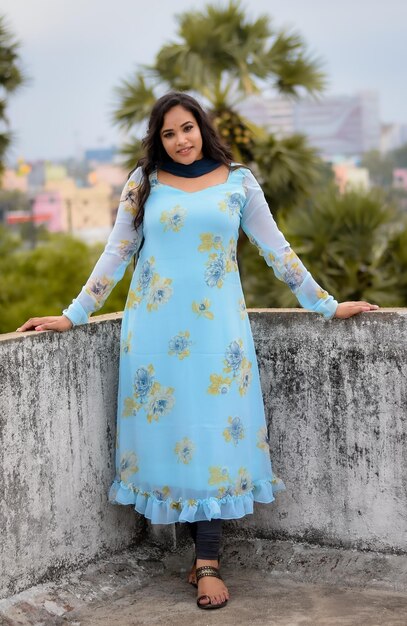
(148, 586)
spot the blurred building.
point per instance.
(393, 136)
(86, 212)
(348, 176)
(346, 125)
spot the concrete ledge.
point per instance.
(336, 401)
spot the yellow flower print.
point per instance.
(131, 406)
(99, 288)
(174, 219)
(162, 494)
(242, 308)
(218, 475)
(128, 465)
(225, 491)
(209, 241)
(243, 482)
(321, 293)
(277, 482)
(159, 293)
(176, 505)
(161, 401)
(219, 384)
(133, 300)
(126, 248)
(202, 309)
(126, 344)
(192, 502)
(231, 262)
(179, 345)
(245, 376)
(263, 439)
(184, 450)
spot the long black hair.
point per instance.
(155, 154)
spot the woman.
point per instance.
(192, 441)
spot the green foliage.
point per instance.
(400, 156)
(11, 78)
(353, 244)
(45, 280)
(289, 170)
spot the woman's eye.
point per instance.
(167, 135)
(188, 128)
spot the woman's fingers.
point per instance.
(56, 322)
(347, 309)
(33, 322)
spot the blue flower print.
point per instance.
(234, 355)
(146, 275)
(179, 345)
(161, 401)
(235, 202)
(143, 381)
(235, 431)
(216, 268)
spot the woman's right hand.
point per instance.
(59, 323)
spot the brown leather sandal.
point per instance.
(194, 563)
(208, 570)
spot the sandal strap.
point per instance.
(207, 570)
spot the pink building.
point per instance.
(400, 178)
(47, 210)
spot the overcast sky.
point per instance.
(77, 51)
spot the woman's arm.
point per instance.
(262, 230)
(122, 244)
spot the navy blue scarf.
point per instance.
(195, 169)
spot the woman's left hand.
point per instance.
(347, 309)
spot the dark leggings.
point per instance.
(206, 536)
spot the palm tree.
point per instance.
(353, 244)
(222, 57)
(11, 78)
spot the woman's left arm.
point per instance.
(262, 230)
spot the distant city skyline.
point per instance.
(77, 53)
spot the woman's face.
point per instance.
(181, 136)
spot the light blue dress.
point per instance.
(192, 440)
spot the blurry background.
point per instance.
(310, 95)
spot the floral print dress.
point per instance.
(192, 439)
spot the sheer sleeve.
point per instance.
(123, 242)
(262, 230)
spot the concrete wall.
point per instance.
(336, 401)
(57, 441)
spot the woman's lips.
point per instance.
(185, 150)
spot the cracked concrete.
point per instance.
(287, 584)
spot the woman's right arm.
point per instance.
(122, 244)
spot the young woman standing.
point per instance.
(192, 441)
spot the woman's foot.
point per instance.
(211, 586)
(192, 574)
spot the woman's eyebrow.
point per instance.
(183, 124)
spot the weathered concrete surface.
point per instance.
(292, 585)
(336, 399)
(335, 395)
(57, 440)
